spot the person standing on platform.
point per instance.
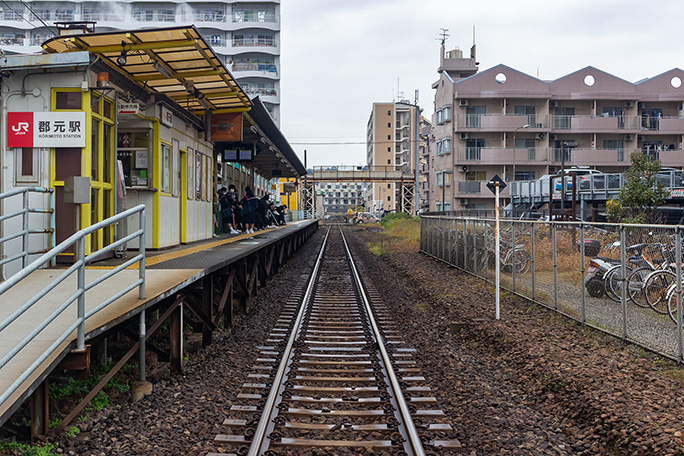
(237, 216)
(248, 211)
(227, 204)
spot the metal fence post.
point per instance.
(141, 250)
(449, 230)
(582, 260)
(533, 253)
(486, 243)
(623, 281)
(474, 247)
(555, 265)
(678, 261)
(513, 253)
(25, 230)
(465, 245)
(441, 238)
(80, 256)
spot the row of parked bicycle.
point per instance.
(649, 279)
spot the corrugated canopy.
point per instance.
(174, 61)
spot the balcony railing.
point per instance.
(501, 122)
(245, 42)
(207, 16)
(12, 40)
(252, 16)
(263, 67)
(469, 186)
(258, 91)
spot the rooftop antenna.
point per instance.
(473, 49)
(444, 33)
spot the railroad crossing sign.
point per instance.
(492, 183)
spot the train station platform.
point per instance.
(234, 265)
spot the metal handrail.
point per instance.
(77, 239)
(25, 231)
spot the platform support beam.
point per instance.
(176, 340)
(40, 410)
(207, 308)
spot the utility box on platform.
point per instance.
(77, 190)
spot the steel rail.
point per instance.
(414, 441)
(259, 439)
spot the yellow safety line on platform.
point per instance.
(156, 259)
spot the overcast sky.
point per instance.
(338, 57)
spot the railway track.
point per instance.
(336, 375)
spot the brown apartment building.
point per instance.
(391, 141)
(505, 122)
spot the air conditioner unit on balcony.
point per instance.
(640, 105)
(463, 136)
(640, 138)
(552, 104)
(629, 137)
(629, 104)
(463, 103)
(463, 201)
(540, 136)
(552, 137)
(463, 169)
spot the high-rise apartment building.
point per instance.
(245, 35)
(392, 135)
(338, 197)
(504, 122)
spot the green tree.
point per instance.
(641, 195)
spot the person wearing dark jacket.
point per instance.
(249, 205)
(227, 210)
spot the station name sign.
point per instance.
(46, 129)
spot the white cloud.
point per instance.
(340, 57)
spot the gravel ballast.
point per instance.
(532, 383)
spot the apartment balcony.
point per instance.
(592, 157)
(594, 124)
(671, 125)
(671, 157)
(477, 189)
(500, 122)
(257, 70)
(266, 45)
(500, 155)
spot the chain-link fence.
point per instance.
(625, 280)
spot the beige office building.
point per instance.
(504, 122)
(391, 141)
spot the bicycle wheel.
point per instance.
(612, 280)
(672, 302)
(521, 259)
(655, 289)
(635, 286)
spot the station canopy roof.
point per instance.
(175, 61)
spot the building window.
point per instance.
(389, 113)
(26, 164)
(133, 150)
(143, 15)
(389, 137)
(524, 175)
(474, 148)
(389, 149)
(68, 100)
(166, 168)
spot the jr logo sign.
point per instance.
(46, 129)
(20, 129)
